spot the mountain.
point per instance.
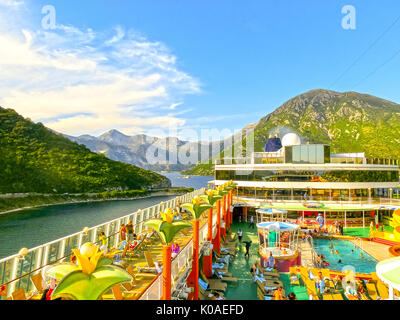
(35, 159)
(133, 149)
(349, 122)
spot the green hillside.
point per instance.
(349, 122)
(35, 159)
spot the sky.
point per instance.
(149, 66)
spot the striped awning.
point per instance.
(278, 226)
(271, 211)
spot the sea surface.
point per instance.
(33, 227)
(196, 182)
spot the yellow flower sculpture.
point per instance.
(91, 278)
(197, 207)
(168, 216)
(211, 197)
(88, 259)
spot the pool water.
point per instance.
(347, 257)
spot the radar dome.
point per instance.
(291, 139)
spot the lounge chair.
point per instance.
(19, 294)
(205, 294)
(149, 259)
(337, 296)
(213, 284)
(311, 287)
(231, 280)
(372, 292)
(38, 281)
(383, 290)
(261, 295)
(326, 275)
(327, 296)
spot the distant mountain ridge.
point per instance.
(349, 122)
(133, 149)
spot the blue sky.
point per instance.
(201, 64)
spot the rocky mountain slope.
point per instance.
(35, 159)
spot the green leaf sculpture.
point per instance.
(167, 228)
(197, 207)
(211, 197)
(90, 278)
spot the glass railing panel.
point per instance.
(25, 266)
(70, 243)
(54, 252)
(112, 230)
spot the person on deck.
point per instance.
(129, 229)
(270, 263)
(122, 232)
(248, 245)
(175, 250)
(104, 242)
(240, 235)
(292, 296)
(278, 295)
(252, 222)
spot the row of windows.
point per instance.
(309, 176)
(312, 153)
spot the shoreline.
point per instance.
(155, 194)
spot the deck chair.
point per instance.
(149, 259)
(326, 275)
(215, 285)
(19, 294)
(204, 294)
(261, 295)
(327, 296)
(311, 287)
(231, 280)
(372, 292)
(267, 290)
(337, 296)
(383, 290)
(38, 281)
(117, 292)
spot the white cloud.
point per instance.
(11, 3)
(84, 81)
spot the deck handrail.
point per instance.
(15, 274)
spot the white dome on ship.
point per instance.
(291, 139)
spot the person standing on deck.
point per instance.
(278, 295)
(104, 242)
(248, 245)
(122, 233)
(129, 229)
(252, 222)
(240, 235)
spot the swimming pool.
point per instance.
(347, 257)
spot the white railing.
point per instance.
(16, 271)
(181, 262)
